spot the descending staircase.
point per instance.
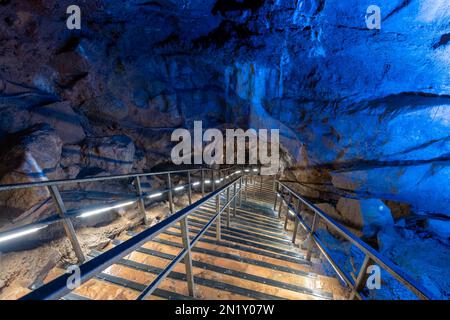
(254, 259)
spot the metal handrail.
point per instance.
(46, 183)
(65, 215)
(58, 287)
(371, 255)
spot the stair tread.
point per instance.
(304, 283)
(255, 259)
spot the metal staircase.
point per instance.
(238, 241)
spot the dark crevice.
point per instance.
(358, 165)
(397, 9)
(443, 41)
(224, 6)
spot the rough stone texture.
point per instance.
(106, 107)
(113, 154)
(62, 117)
(31, 155)
(369, 215)
(362, 113)
(439, 227)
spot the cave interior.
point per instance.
(363, 114)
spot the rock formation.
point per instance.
(363, 114)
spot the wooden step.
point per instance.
(255, 259)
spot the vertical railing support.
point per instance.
(310, 240)
(275, 189)
(235, 199)
(213, 181)
(67, 223)
(203, 182)
(240, 192)
(294, 235)
(281, 202)
(287, 211)
(228, 208)
(169, 184)
(245, 188)
(188, 256)
(362, 277)
(141, 203)
(218, 219)
(189, 187)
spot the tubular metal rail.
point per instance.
(66, 216)
(58, 287)
(233, 189)
(287, 195)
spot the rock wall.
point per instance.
(366, 108)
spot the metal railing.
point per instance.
(58, 287)
(287, 194)
(66, 216)
(233, 189)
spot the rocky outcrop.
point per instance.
(28, 156)
(113, 154)
(355, 112)
(60, 116)
(440, 227)
(106, 107)
(368, 215)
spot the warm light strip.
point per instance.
(237, 172)
(179, 188)
(98, 211)
(255, 170)
(217, 181)
(196, 183)
(247, 170)
(207, 181)
(20, 234)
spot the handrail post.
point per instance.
(234, 199)
(362, 277)
(240, 191)
(141, 203)
(245, 187)
(188, 256)
(169, 183)
(203, 182)
(213, 182)
(287, 210)
(189, 187)
(275, 189)
(311, 237)
(294, 235)
(229, 208)
(218, 222)
(281, 202)
(67, 223)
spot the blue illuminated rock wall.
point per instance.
(362, 113)
(368, 109)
